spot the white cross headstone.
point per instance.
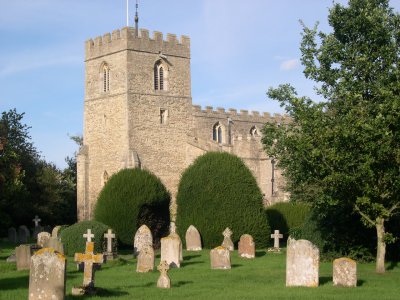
(89, 235)
(36, 220)
(109, 236)
(276, 236)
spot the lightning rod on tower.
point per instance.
(137, 20)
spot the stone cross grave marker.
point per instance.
(143, 237)
(220, 258)
(344, 272)
(246, 247)
(43, 238)
(36, 220)
(47, 275)
(89, 259)
(88, 235)
(276, 236)
(109, 236)
(145, 260)
(163, 281)
(302, 263)
(227, 243)
(193, 239)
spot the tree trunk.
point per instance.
(381, 246)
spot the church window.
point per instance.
(163, 116)
(159, 77)
(254, 131)
(218, 132)
(106, 78)
(105, 177)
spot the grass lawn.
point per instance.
(260, 278)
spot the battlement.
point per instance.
(125, 39)
(242, 115)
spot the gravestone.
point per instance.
(174, 234)
(43, 238)
(37, 227)
(23, 255)
(344, 272)
(193, 239)
(143, 237)
(171, 250)
(89, 259)
(246, 247)
(12, 258)
(55, 231)
(23, 234)
(12, 235)
(109, 236)
(302, 263)
(47, 275)
(276, 236)
(163, 281)
(56, 244)
(220, 258)
(145, 260)
(227, 243)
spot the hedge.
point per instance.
(74, 242)
(131, 198)
(219, 191)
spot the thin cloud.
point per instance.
(289, 64)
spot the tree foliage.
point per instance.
(343, 154)
(219, 191)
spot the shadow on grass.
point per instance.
(101, 293)
(236, 266)
(393, 264)
(184, 264)
(14, 283)
(180, 283)
(260, 253)
(360, 282)
(324, 280)
(189, 257)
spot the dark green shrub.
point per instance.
(74, 242)
(131, 198)
(219, 191)
(286, 216)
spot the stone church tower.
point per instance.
(138, 113)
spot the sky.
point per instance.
(238, 50)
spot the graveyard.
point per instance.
(259, 278)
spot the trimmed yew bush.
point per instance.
(219, 191)
(131, 198)
(74, 242)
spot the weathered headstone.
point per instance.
(23, 234)
(43, 238)
(143, 237)
(109, 236)
(170, 251)
(227, 243)
(47, 275)
(89, 259)
(246, 247)
(344, 272)
(220, 258)
(174, 234)
(37, 227)
(163, 281)
(55, 231)
(12, 258)
(145, 260)
(12, 235)
(193, 239)
(56, 244)
(302, 263)
(23, 257)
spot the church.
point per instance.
(138, 113)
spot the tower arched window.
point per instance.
(254, 131)
(218, 132)
(106, 78)
(159, 77)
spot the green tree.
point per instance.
(343, 154)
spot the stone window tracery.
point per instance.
(218, 133)
(106, 78)
(160, 77)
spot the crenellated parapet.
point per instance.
(125, 39)
(241, 115)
